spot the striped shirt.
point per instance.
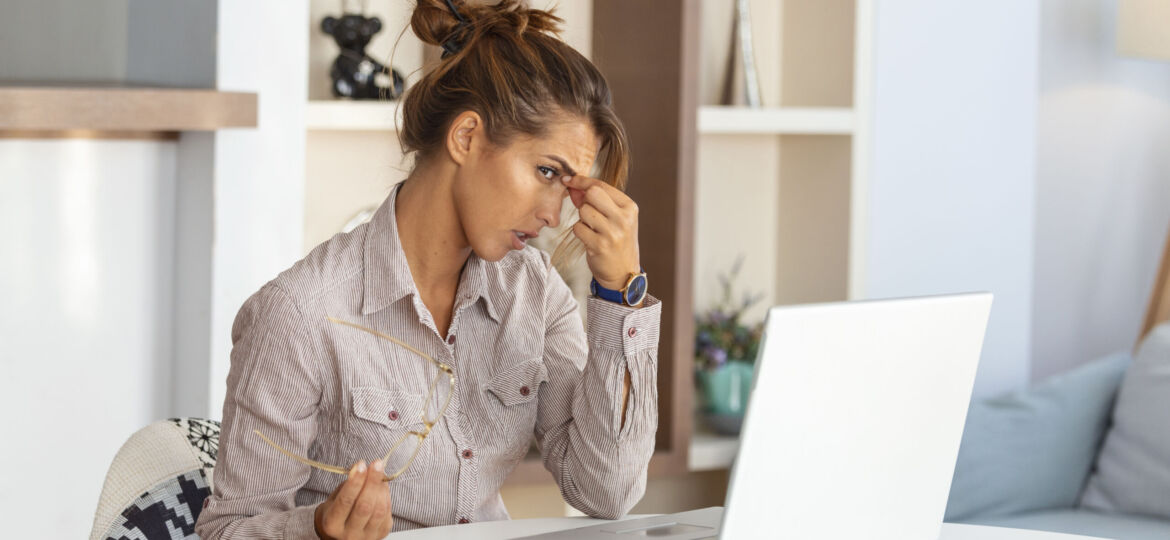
(327, 392)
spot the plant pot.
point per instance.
(724, 393)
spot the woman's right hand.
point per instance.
(358, 508)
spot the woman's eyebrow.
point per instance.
(564, 164)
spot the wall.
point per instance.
(951, 188)
(127, 259)
(88, 271)
(170, 43)
(1102, 187)
(85, 286)
(63, 40)
(259, 173)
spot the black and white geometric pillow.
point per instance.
(165, 512)
(203, 436)
(158, 481)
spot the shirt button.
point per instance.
(451, 339)
(393, 415)
(524, 391)
(633, 332)
(467, 454)
(463, 520)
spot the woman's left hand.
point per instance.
(608, 228)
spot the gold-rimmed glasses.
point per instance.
(406, 448)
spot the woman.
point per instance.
(502, 130)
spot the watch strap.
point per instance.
(616, 296)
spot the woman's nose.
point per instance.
(550, 213)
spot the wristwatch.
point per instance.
(631, 295)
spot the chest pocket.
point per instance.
(381, 418)
(513, 396)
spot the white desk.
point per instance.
(489, 530)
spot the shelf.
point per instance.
(779, 121)
(123, 109)
(710, 451)
(347, 115)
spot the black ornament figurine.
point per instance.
(354, 73)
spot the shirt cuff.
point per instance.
(624, 328)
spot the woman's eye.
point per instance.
(547, 172)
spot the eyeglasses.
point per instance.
(406, 448)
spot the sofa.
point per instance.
(1084, 452)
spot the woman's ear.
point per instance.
(464, 129)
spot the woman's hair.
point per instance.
(512, 69)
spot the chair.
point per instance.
(157, 484)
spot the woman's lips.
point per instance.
(519, 238)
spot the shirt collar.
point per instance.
(387, 275)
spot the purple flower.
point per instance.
(717, 356)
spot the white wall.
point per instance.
(115, 314)
(86, 295)
(951, 187)
(1103, 186)
(259, 173)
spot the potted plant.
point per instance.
(725, 354)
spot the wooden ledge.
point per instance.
(25, 109)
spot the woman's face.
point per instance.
(505, 192)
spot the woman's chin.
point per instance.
(494, 251)
(493, 254)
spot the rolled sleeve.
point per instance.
(273, 387)
(630, 330)
(599, 463)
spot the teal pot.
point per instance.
(724, 393)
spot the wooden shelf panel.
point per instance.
(776, 120)
(347, 115)
(531, 469)
(125, 109)
(708, 452)
(711, 452)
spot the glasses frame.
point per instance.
(428, 423)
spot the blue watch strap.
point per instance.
(609, 294)
(605, 294)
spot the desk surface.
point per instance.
(489, 530)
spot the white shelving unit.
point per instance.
(709, 451)
(776, 120)
(785, 185)
(340, 115)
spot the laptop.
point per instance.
(852, 427)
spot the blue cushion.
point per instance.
(1132, 473)
(1086, 523)
(1033, 449)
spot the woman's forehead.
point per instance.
(572, 141)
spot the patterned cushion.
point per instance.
(166, 511)
(204, 438)
(158, 482)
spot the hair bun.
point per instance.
(434, 23)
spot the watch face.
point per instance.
(636, 290)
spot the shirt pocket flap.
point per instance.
(518, 384)
(391, 408)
